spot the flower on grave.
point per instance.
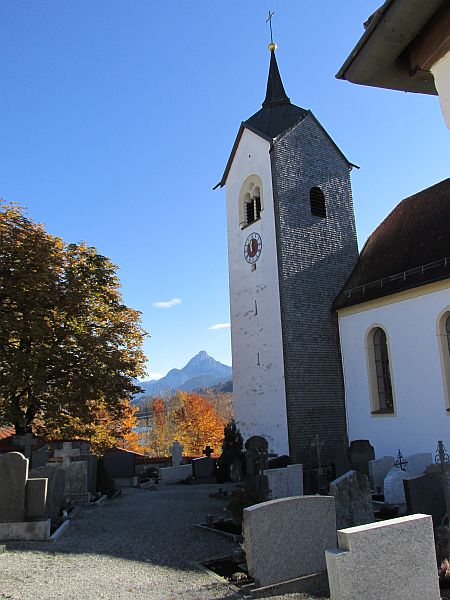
(444, 570)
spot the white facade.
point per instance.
(441, 74)
(419, 365)
(258, 371)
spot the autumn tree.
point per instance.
(69, 347)
(189, 418)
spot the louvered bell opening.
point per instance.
(317, 200)
(250, 212)
(258, 206)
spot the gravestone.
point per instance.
(39, 456)
(360, 453)
(120, 465)
(353, 499)
(390, 560)
(92, 469)
(416, 464)
(177, 454)
(424, 495)
(285, 482)
(56, 476)
(287, 538)
(22, 501)
(13, 479)
(204, 469)
(256, 460)
(378, 469)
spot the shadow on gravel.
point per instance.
(155, 527)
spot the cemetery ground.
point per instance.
(142, 544)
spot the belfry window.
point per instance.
(250, 205)
(317, 201)
(380, 373)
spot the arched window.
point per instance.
(250, 202)
(317, 201)
(444, 338)
(380, 373)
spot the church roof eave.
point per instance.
(244, 125)
(409, 249)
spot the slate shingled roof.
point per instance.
(410, 248)
(277, 113)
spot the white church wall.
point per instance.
(258, 389)
(410, 320)
(441, 73)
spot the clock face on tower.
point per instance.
(252, 247)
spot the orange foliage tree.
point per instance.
(189, 418)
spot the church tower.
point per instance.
(291, 247)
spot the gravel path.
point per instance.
(140, 545)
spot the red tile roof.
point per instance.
(7, 432)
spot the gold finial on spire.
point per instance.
(272, 45)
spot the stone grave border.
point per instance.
(235, 537)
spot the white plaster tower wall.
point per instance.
(258, 369)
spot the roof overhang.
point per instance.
(387, 54)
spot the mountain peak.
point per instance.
(200, 372)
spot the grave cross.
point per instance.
(67, 452)
(208, 451)
(400, 462)
(318, 444)
(442, 459)
(27, 442)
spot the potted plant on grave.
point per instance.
(444, 574)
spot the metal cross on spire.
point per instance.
(269, 20)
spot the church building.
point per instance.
(291, 248)
(330, 346)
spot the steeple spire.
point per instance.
(275, 93)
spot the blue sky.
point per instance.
(118, 117)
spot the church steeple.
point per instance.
(275, 93)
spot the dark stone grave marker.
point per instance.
(360, 453)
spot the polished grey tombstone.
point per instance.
(204, 468)
(424, 494)
(360, 453)
(55, 488)
(353, 499)
(13, 479)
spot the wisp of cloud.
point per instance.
(220, 326)
(168, 303)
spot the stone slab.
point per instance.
(394, 492)
(287, 538)
(36, 498)
(353, 498)
(378, 469)
(76, 482)
(31, 531)
(175, 474)
(56, 477)
(285, 482)
(385, 561)
(120, 464)
(203, 467)
(177, 454)
(424, 494)
(13, 477)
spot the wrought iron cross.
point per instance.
(442, 459)
(269, 20)
(400, 462)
